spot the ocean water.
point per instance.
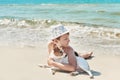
(93, 14)
(56, 1)
(93, 22)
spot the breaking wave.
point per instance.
(32, 32)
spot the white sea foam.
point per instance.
(33, 32)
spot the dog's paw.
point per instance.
(91, 77)
(74, 73)
(53, 72)
(43, 66)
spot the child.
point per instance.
(59, 46)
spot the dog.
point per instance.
(59, 56)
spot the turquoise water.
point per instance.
(107, 15)
(55, 1)
(104, 13)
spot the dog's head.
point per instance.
(58, 52)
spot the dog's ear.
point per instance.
(55, 41)
(56, 51)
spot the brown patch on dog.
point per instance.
(58, 52)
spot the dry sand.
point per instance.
(18, 63)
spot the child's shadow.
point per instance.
(95, 73)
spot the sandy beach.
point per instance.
(25, 29)
(21, 63)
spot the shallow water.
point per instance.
(95, 14)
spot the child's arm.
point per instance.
(71, 56)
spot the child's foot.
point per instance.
(87, 55)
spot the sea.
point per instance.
(93, 23)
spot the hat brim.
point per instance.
(59, 35)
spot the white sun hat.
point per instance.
(57, 31)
